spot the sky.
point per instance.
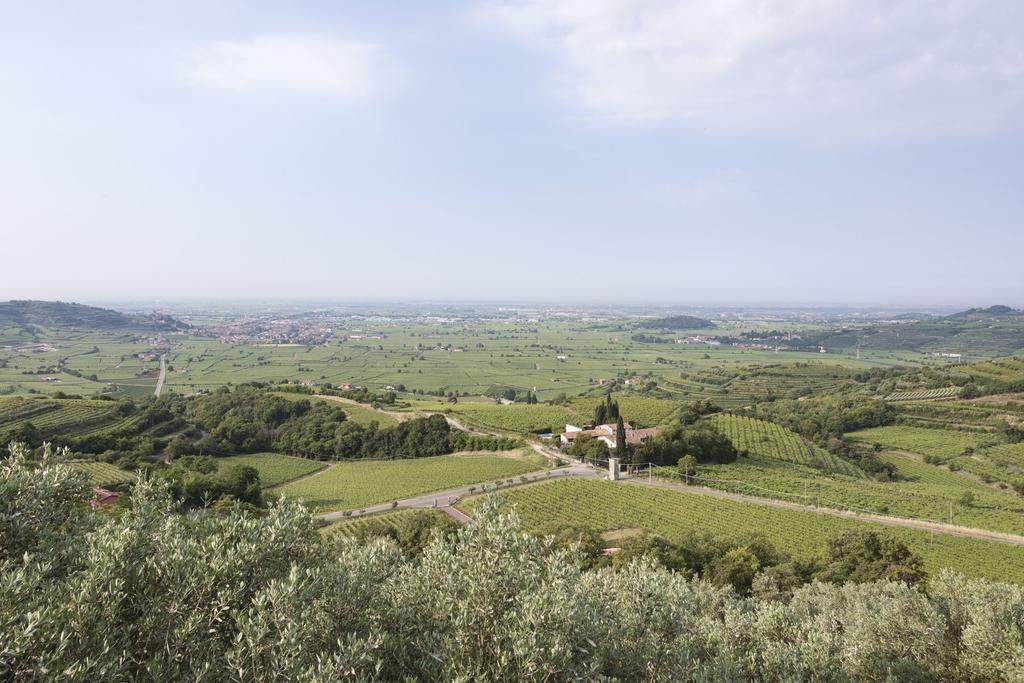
(862, 152)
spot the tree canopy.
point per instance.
(153, 594)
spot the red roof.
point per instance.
(102, 497)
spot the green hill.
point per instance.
(59, 314)
(979, 314)
(992, 331)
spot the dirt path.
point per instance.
(400, 417)
(458, 515)
(461, 427)
(303, 477)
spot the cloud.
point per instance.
(832, 70)
(310, 65)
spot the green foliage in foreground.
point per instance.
(154, 595)
(412, 530)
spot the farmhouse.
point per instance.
(606, 433)
(102, 497)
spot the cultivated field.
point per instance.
(461, 357)
(771, 440)
(104, 474)
(929, 498)
(351, 485)
(924, 394)
(57, 416)
(943, 443)
(605, 506)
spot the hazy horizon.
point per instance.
(690, 153)
(381, 305)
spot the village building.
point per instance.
(606, 433)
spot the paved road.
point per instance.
(163, 376)
(447, 498)
(444, 500)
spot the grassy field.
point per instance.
(351, 485)
(104, 474)
(605, 506)
(274, 469)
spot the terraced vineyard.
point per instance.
(104, 474)
(916, 470)
(943, 443)
(55, 417)
(775, 441)
(924, 394)
(124, 424)
(14, 410)
(740, 386)
(274, 469)
(1008, 454)
(351, 485)
(606, 506)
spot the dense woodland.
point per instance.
(228, 595)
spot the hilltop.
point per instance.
(992, 331)
(997, 311)
(60, 314)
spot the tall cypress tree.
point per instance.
(600, 414)
(620, 439)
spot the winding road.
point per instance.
(445, 500)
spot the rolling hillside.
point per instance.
(62, 315)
